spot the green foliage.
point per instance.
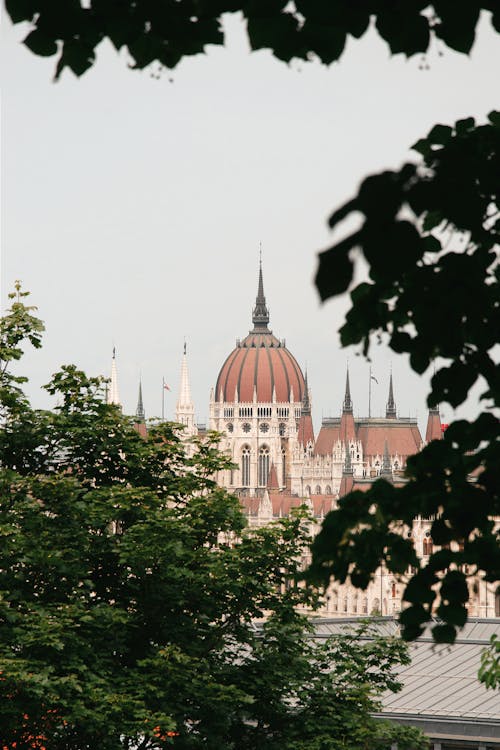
(19, 326)
(166, 32)
(489, 672)
(131, 592)
(431, 300)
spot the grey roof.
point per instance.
(441, 681)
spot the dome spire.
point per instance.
(260, 313)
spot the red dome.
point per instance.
(262, 363)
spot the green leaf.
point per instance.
(41, 44)
(440, 134)
(334, 272)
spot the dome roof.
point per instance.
(260, 363)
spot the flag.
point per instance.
(167, 387)
(374, 378)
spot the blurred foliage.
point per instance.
(489, 672)
(430, 233)
(166, 31)
(131, 592)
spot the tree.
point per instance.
(455, 190)
(166, 32)
(130, 591)
(430, 235)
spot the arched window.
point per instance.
(318, 489)
(283, 464)
(263, 465)
(328, 490)
(308, 490)
(355, 603)
(282, 429)
(365, 605)
(245, 466)
(345, 603)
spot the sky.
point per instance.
(134, 206)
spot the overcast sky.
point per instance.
(133, 207)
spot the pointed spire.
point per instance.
(139, 412)
(184, 412)
(260, 313)
(113, 395)
(347, 405)
(306, 401)
(390, 409)
(386, 468)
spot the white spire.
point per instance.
(184, 412)
(113, 393)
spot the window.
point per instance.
(263, 465)
(283, 464)
(328, 490)
(246, 427)
(365, 605)
(282, 412)
(229, 412)
(245, 466)
(308, 490)
(282, 429)
(264, 411)
(245, 411)
(264, 427)
(229, 427)
(318, 489)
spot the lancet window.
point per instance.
(263, 465)
(245, 466)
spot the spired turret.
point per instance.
(184, 412)
(390, 409)
(113, 395)
(139, 412)
(347, 426)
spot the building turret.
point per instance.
(390, 409)
(184, 412)
(347, 427)
(113, 395)
(306, 431)
(139, 412)
(347, 481)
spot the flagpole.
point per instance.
(370, 393)
(163, 399)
